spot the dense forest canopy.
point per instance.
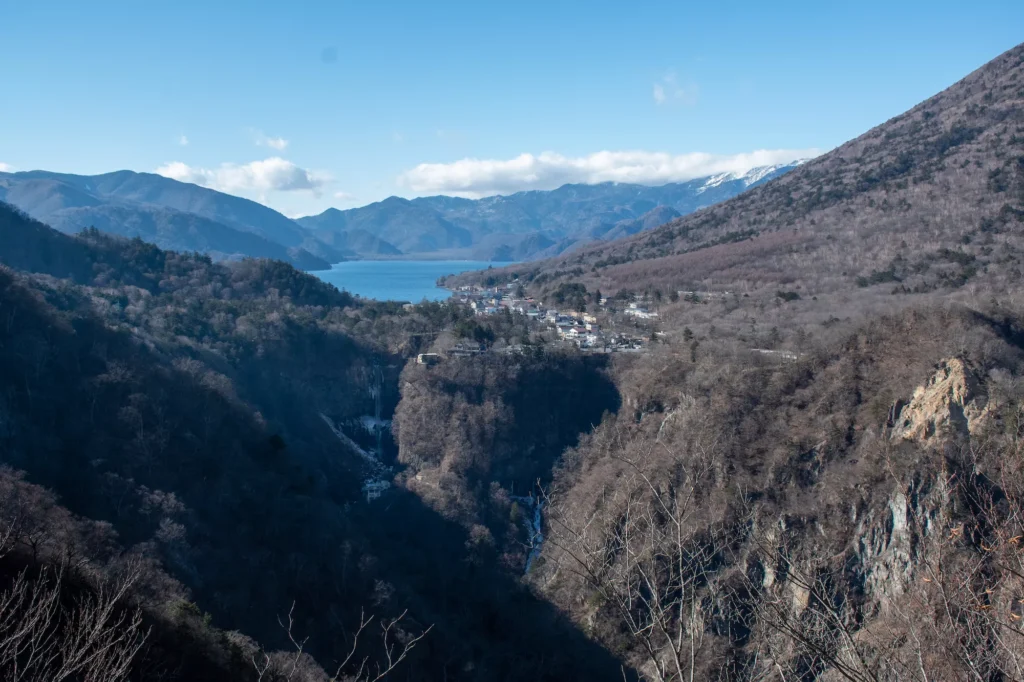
(182, 403)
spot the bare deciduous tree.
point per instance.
(648, 555)
(957, 612)
(297, 666)
(48, 636)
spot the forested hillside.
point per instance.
(186, 217)
(854, 514)
(930, 200)
(181, 404)
(525, 225)
(814, 473)
(477, 439)
(165, 212)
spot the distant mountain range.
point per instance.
(523, 226)
(173, 215)
(528, 225)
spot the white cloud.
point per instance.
(344, 196)
(183, 141)
(483, 177)
(263, 140)
(269, 175)
(669, 89)
(6, 168)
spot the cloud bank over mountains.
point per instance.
(474, 178)
(273, 180)
(257, 177)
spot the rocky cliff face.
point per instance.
(814, 541)
(890, 539)
(951, 403)
(904, 568)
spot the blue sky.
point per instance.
(305, 105)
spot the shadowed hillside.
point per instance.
(180, 405)
(165, 212)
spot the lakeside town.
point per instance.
(597, 331)
(625, 323)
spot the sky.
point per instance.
(307, 105)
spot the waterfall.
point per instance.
(534, 527)
(378, 376)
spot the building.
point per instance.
(641, 311)
(428, 359)
(466, 349)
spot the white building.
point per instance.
(637, 310)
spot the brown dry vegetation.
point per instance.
(749, 516)
(764, 520)
(931, 200)
(178, 402)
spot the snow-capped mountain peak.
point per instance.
(751, 177)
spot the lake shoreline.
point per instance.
(424, 258)
(400, 280)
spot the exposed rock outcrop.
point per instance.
(952, 403)
(890, 539)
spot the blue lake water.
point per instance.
(396, 280)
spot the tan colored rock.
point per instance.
(951, 403)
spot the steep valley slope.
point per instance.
(180, 405)
(932, 200)
(815, 472)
